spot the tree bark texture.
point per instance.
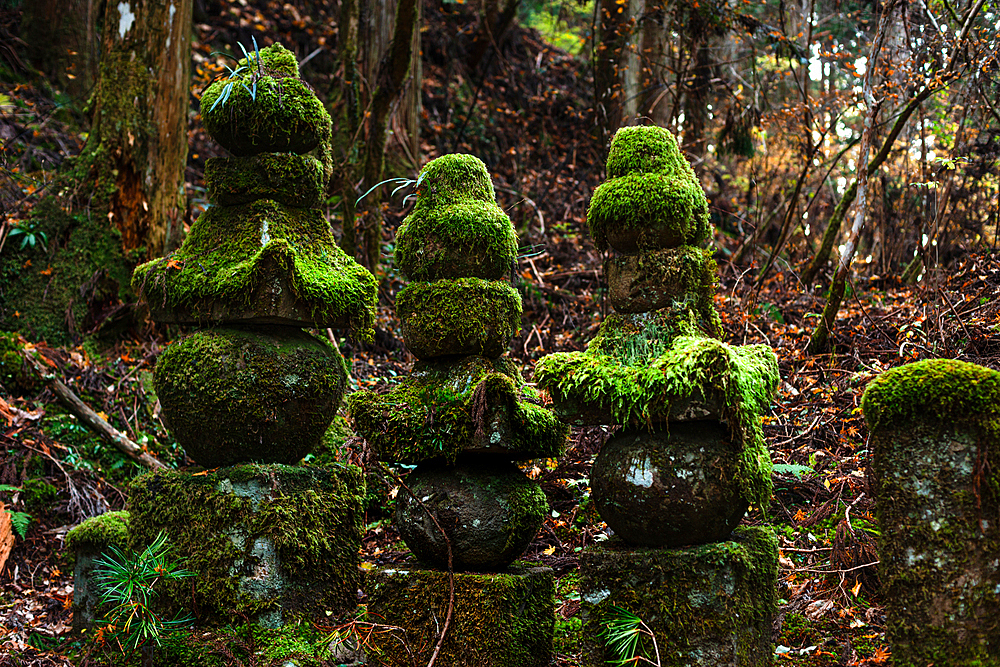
(63, 42)
(609, 52)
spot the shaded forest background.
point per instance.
(768, 101)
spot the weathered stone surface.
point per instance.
(461, 316)
(935, 472)
(89, 541)
(489, 509)
(287, 178)
(669, 489)
(236, 395)
(709, 605)
(500, 620)
(271, 542)
(654, 280)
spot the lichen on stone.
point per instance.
(459, 316)
(237, 260)
(446, 407)
(653, 280)
(652, 197)
(456, 228)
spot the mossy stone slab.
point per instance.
(273, 543)
(266, 109)
(444, 408)
(505, 619)
(709, 605)
(87, 542)
(488, 508)
(670, 487)
(259, 263)
(460, 316)
(638, 372)
(287, 178)
(653, 280)
(652, 199)
(935, 471)
(239, 395)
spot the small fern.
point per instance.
(19, 520)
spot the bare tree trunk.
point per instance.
(613, 32)
(63, 42)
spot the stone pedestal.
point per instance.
(89, 541)
(709, 605)
(502, 619)
(270, 542)
(936, 477)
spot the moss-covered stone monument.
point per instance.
(690, 457)
(935, 471)
(252, 391)
(462, 417)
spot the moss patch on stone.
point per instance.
(15, 377)
(453, 178)
(446, 407)
(459, 316)
(266, 394)
(935, 444)
(654, 280)
(635, 380)
(238, 261)
(652, 198)
(293, 180)
(273, 111)
(710, 604)
(99, 532)
(227, 522)
(500, 620)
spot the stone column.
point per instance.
(935, 470)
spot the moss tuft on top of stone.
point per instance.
(276, 61)
(945, 390)
(456, 229)
(652, 199)
(99, 532)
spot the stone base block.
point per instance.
(709, 605)
(271, 543)
(87, 542)
(504, 619)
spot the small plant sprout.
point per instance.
(623, 633)
(30, 236)
(235, 75)
(127, 585)
(403, 183)
(19, 520)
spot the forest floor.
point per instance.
(57, 472)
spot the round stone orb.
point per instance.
(489, 509)
(234, 395)
(669, 490)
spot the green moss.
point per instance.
(446, 407)
(459, 316)
(293, 180)
(238, 261)
(708, 604)
(500, 620)
(265, 394)
(218, 522)
(38, 493)
(276, 60)
(945, 390)
(99, 532)
(15, 377)
(653, 280)
(463, 239)
(270, 112)
(637, 380)
(652, 195)
(454, 178)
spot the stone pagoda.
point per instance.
(689, 458)
(250, 392)
(462, 417)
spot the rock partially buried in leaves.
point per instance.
(456, 229)
(670, 488)
(459, 316)
(233, 395)
(488, 508)
(266, 108)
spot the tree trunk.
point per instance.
(612, 24)
(63, 42)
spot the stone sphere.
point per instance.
(669, 490)
(489, 509)
(265, 395)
